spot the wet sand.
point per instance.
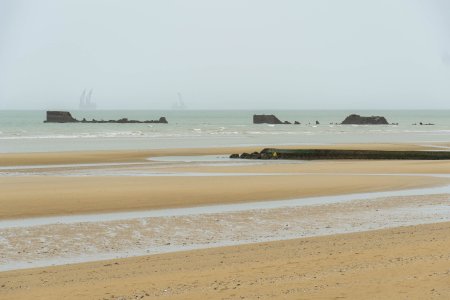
(44, 196)
(57, 193)
(28, 243)
(40, 158)
(399, 263)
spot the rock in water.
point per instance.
(266, 119)
(60, 117)
(66, 117)
(360, 120)
(163, 120)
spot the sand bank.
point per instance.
(14, 159)
(27, 196)
(49, 195)
(327, 167)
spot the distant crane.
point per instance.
(85, 101)
(180, 103)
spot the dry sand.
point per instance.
(399, 263)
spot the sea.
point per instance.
(25, 131)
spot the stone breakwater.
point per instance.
(66, 117)
(313, 154)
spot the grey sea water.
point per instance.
(24, 131)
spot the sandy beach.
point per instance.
(368, 265)
(342, 262)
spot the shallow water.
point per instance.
(160, 166)
(56, 244)
(31, 167)
(24, 131)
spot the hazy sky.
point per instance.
(314, 54)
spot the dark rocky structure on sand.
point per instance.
(360, 120)
(313, 154)
(66, 117)
(269, 119)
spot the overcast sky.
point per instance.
(315, 54)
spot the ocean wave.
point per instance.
(75, 136)
(222, 131)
